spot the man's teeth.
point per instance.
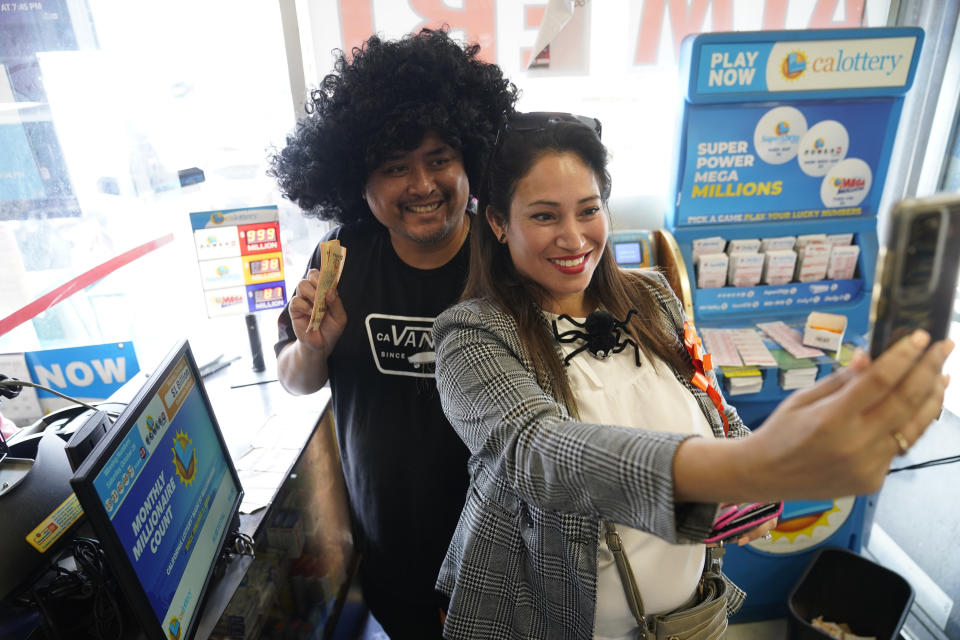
(424, 208)
(570, 263)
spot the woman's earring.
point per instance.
(503, 238)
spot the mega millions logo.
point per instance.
(793, 65)
(225, 302)
(184, 458)
(216, 217)
(849, 185)
(782, 128)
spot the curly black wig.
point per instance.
(384, 100)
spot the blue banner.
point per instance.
(778, 65)
(774, 163)
(92, 372)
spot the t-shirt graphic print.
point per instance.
(402, 345)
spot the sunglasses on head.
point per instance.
(540, 120)
(536, 121)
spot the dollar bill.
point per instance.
(332, 256)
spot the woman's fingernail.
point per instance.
(920, 338)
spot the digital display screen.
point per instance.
(261, 296)
(268, 234)
(169, 495)
(258, 267)
(628, 252)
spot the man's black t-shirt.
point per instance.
(405, 466)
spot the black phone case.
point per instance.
(916, 278)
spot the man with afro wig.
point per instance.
(392, 147)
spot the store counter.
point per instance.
(294, 509)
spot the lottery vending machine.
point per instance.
(783, 151)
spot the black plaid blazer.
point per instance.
(523, 559)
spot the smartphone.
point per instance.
(745, 517)
(916, 279)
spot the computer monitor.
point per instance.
(161, 493)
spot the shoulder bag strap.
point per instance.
(630, 589)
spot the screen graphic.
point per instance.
(169, 496)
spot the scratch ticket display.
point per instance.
(751, 348)
(789, 339)
(843, 261)
(719, 343)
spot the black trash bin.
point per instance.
(844, 587)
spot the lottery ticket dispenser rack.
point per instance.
(763, 155)
(787, 134)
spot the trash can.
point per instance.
(844, 587)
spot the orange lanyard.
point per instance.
(702, 362)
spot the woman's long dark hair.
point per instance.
(493, 276)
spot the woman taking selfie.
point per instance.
(601, 448)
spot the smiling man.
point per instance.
(391, 148)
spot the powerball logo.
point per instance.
(793, 65)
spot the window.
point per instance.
(616, 60)
(102, 105)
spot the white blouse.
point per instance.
(616, 391)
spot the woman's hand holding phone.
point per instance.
(837, 437)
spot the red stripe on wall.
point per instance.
(79, 283)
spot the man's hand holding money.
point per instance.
(302, 306)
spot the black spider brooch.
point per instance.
(602, 336)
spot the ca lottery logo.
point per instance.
(793, 65)
(184, 458)
(402, 345)
(174, 628)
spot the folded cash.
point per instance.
(332, 256)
